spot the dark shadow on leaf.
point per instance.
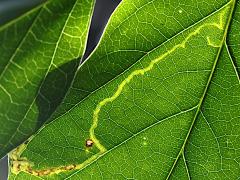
(54, 89)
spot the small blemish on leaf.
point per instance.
(145, 141)
(89, 143)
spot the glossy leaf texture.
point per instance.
(160, 99)
(40, 53)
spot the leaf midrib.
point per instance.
(207, 86)
(20, 43)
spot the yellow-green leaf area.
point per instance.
(172, 114)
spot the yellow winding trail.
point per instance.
(142, 71)
(22, 164)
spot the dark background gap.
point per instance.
(10, 9)
(103, 10)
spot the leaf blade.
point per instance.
(55, 42)
(152, 153)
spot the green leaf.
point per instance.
(160, 99)
(40, 54)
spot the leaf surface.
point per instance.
(159, 101)
(39, 57)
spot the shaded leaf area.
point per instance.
(41, 52)
(173, 114)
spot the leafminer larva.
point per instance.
(89, 143)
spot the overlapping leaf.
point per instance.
(160, 99)
(40, 53)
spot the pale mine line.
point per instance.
(22, 164)
(142, 72)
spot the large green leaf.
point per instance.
(160, 99)
(40, 54)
